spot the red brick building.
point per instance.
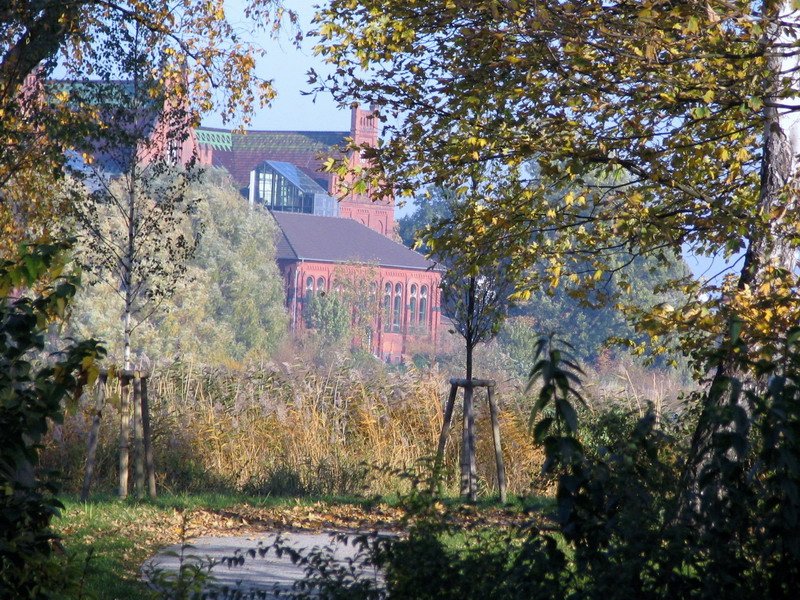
(322, 242)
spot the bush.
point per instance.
(32, 390)
(627, 525)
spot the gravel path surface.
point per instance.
(267, 573)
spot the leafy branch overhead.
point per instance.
(654, 127)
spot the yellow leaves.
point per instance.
(646, 14)
(742, 154)
(520, 296)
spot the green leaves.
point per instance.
(32, 391)
(558, 379)
(644, 109)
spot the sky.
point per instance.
(287, 66)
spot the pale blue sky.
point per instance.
(287, 66)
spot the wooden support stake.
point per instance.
(94, 434)
(148, 441)
(473, 448)
(468, 471)
(138, 438)
(124, 437)
(448, 417)
(498, 452)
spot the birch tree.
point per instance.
(131, 205)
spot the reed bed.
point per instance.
(296, 430)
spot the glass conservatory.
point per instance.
(281, 186)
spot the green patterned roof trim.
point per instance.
(289, 140)
(219, 140)
(298, 141)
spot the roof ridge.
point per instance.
(249, 131)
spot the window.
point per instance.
(397, 317)
(321, 285)
(174, 150)
(265, 187)
(387, 307)
(412, 307)
(309, 288)
(422, 315)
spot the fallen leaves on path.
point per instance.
(322, 516)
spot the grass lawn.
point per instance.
(118, 536)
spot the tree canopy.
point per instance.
(655, 127)
(230, 304)
(194, 52)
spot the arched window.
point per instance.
(309, 288)
(387, 307)
(412, 307)
(422, 315)
(320, 285)
(397, 317)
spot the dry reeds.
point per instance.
(297, 430)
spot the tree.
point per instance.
(344, 316)
(674, 107)
(191, 38)
(230, 305)
(329, 315)
(476, 303)
(432, 207)
(130, 201)
(685, 111)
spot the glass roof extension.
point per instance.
(285, 187)
(297, 177)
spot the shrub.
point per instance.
(622, 527)
(32, 389)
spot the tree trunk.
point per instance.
(94, 434)
(469, 484)
(138, 437)
(127, 278)
(768, 243)
(124, 437)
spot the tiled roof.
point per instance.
(239, 153)
(332, 239)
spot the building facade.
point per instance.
(327, 246)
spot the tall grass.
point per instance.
(296, 430)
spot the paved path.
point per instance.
(267, 573)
